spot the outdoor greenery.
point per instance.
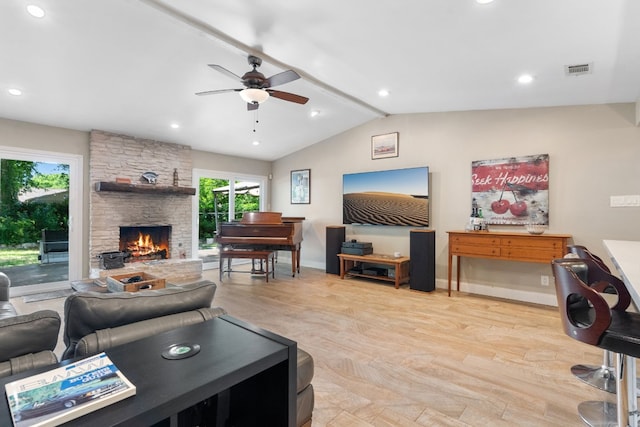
(244, 202)
(22, 222)
(52, 180)
(10, 257)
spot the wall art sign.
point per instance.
(513, 190)
(301, 186)
(383, 146)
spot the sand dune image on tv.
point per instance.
(385, 209)
(397, 197)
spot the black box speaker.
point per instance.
(335, 237)
(111, 260)
(422, 247)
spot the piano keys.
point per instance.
(262, 231)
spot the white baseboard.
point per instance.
(475, 288)
(512, 294)
(318, 265)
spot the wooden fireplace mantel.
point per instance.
(144, 188)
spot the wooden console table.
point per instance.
(540, 248)
(400, 264)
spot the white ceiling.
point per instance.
(133, 66)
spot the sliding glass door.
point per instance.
(221, 197)
(38, 202)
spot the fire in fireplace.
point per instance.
(144, 243)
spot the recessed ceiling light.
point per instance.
(15, 92)
(383, 92)
(256, 142)
(525, 79)
(484, 1)
(174, 126)
(35, 11)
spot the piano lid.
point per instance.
(261, 218)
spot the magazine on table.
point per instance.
(68, 392)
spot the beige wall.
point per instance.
(594, 153)
(222, 163)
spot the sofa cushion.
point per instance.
(87, 312)
(28, 333)
(7, 310)
(5, 286)
(26, 362)
(305, 370)
(304, 388)
(105, 339)
(305, 401)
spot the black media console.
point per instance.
(242, 376)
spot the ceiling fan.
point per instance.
(258, 88)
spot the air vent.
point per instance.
(578, 69)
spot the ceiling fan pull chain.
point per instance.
(256, 121)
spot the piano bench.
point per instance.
(248, 254)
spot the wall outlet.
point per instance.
(632, 200)
(544, 280)
(616, 201)
(624, 201)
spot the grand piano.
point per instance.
(262, 231)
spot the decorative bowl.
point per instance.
(535, 228)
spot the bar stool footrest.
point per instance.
(598, 413)
(600, 377)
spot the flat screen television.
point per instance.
(390, 197)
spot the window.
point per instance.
(221, 197)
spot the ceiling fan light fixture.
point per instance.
(525, 79)
(254, 96)
(35, 11)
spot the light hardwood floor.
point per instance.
(397, 357)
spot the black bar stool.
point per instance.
(603, 376)
(609, 328)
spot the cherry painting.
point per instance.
(513, 190)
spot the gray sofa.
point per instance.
(26, 341)
(95, 322)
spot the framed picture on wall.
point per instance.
(513, 190)
(301, 186)
(383, 146)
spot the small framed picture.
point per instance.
(384, 146)
(301, 186)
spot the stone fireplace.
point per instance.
(115, 158)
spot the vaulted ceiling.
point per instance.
(134, 66)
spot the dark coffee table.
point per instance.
(247, 376)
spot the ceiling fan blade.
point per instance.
(225, 71)
(213, 92)
(291, 97)
(252, 106)
(281, 78)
